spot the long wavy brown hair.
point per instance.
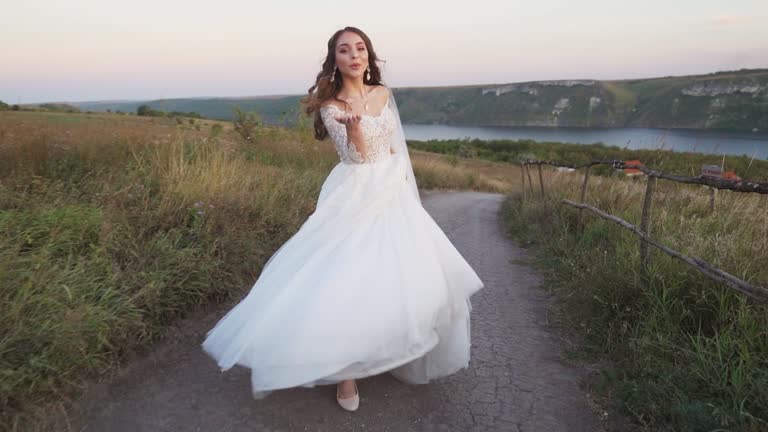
(324, 89)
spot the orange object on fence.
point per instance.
(731, 175)
(633, 171)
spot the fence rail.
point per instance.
(734, 185)
(757, 293)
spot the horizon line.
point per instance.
(280, 95)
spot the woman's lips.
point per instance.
(355, 66)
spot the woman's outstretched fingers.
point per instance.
(349, 119)
(343, 118)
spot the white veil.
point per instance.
(401, 147)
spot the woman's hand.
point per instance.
(351, 121)
(354, 132)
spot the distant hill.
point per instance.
(272, 109)
(733, 100)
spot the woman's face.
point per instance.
(351, 55)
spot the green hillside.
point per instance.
(736, 101)
(272, 109)
(726, 100)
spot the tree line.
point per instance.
(148, 111)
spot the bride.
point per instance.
(370, 283)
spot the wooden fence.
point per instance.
(758, 293)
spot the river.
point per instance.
(678, 140)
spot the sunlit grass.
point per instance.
(114, 226)
(689, 354)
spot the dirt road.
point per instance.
(516, 380)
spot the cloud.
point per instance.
(731, 20)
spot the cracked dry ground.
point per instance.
(516, 380)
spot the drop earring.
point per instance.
(368, 73)
(333, 75)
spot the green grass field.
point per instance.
(685, 353)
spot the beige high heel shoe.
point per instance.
(350, 403)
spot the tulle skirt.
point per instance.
(368, 284)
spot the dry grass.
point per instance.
(435, 171)
(734, 236)
(113, 226)
(689, 354)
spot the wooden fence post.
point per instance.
(530, 182)
(541, 181)
(522, 177)
(645, 225)
(712, 192)
(580, 220)
(584, 185)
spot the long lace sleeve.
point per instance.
(338, 133)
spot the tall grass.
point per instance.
(689, 354)
(112, 227)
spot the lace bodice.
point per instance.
(377, 131)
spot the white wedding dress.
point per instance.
(368, 284)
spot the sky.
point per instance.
(85, 50)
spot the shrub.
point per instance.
(216, 129)
(246, 124)
(146, 110)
